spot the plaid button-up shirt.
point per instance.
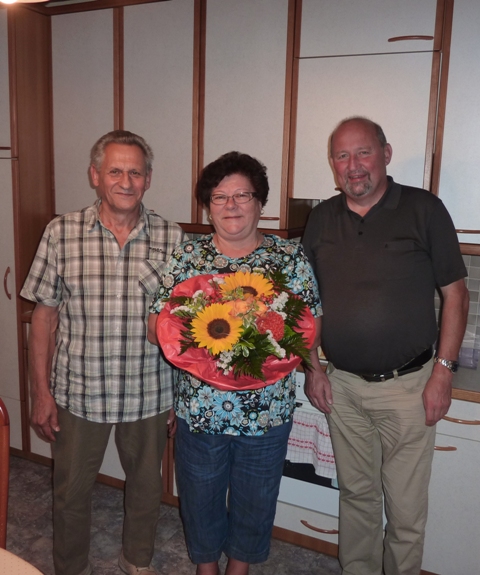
(104, 369)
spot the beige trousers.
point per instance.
(383, 451)
(78, 454)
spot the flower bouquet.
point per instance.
(236, 331)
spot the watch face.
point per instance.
(454, 367)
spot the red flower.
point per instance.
(272, 321)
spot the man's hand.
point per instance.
(44, 417)
(318, 389)
(437, 394)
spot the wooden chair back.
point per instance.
(4, 471)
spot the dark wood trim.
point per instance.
(86, 6)
(291, 233)
(294, 97)
(118, 69)
(470, 249)
(12, 62)
(442, 96)
(434, 91)
(198, 116)
(289, 115)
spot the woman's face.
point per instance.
(235, 221)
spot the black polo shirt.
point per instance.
(377, 276)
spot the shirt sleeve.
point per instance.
(303, 282)
(445, 251)
(43, 284)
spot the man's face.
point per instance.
(122, 180)
(359, 161)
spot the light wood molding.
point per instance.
(438, 101)
(118, 69)
(198, 116)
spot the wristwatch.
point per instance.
(448, 363)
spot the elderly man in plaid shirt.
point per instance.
(92, 368)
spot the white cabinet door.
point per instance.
(451, 542)
(391, 89)
(245, 85)
(82, 60)
(459, 179)
(4, 87)
(9, 377)
(453, 527)
(158, 77)
(341, 27)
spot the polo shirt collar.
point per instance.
(388, 201)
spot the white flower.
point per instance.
(279, 351)
(279, 302)
(180, 308)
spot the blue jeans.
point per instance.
(250, 469)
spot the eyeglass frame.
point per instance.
(233, 197)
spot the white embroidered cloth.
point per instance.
(309, 442)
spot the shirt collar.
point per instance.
(94, 218)
(388, 201)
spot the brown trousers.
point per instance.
(78, 454)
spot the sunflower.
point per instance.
(255, 285)
(215, 329)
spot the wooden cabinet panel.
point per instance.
(82, 53)
(348, 27)
(158, 41)
(4, 87)
(459, 187)
(391, 89)
(245, 85)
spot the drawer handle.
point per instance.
(412, 37)
(327, 531)
(462, 421)
(270, 218)
(445, 448)
(5, 287)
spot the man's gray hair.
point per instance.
(97, 153)
(378, 130)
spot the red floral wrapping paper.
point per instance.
(199, 362)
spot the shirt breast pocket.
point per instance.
(150, 274)
(396, 259)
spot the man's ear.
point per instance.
(94, 175)
(148, 180)
(388, 152)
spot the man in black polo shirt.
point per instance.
(379, 250)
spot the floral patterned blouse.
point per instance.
(205, 408)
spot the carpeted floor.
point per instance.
(29, 532)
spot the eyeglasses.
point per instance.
(238, 198)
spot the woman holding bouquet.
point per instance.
(227, 439)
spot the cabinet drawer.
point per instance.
(298, 520)
(465, 411)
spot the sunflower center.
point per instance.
(218, 328)
(249, 289)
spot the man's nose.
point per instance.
(353, 162)
(125, 180)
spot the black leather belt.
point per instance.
(414, 365)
